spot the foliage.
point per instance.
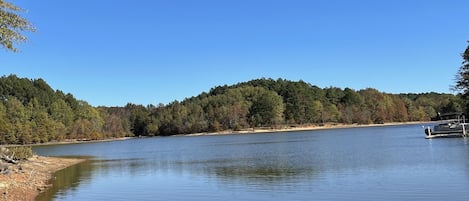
(12, 25)
(32, 112)
(462, 78)
(269, 103)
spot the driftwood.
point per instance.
(9, 159)
(8, 156)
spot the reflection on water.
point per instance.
(262, 175)
(388, 163)
(67, 179)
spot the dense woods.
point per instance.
(32, 112)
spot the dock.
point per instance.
(450, 125)
(460, 131)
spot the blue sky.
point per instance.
(111, 52)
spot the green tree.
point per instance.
(427, 105)
(139, 119)
(12, 26)
(195, 121)
(5, 125)
(88, 123)
(462, 78)
(266, 109)
(60, 111)
(334, 94)
(331, 113)
(299, 99)
(17, 114)
(238, 108)
(42, 127)
(352, 107)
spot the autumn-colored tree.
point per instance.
(12, 26)
(399, 110)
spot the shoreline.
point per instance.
(327, 126)
(72, 141)
(258, 130)
(25, 180)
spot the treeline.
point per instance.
(274, 103)
(32, 112)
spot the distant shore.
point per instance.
(25, 180)
(305, 128)
(243, 131)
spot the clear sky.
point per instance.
(111, 52)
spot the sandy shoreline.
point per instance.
(24, 181)
(305, 128)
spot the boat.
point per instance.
(450, 125)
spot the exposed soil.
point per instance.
(25, 180)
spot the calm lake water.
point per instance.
(378, 163)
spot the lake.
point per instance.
(375, 163)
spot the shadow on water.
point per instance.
(67, 179)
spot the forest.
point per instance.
(32, 112)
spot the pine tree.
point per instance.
(462, 78)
